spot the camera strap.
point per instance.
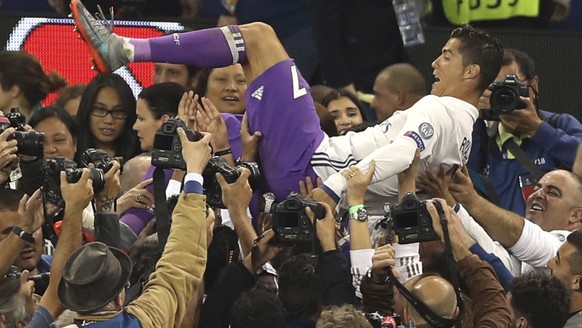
(427, 314)
(524, 159)
(161, 209)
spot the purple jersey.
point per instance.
(279, 104)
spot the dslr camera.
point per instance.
(217, 164)
(52, 178)
(167, 152)
(290, 222)
(412, 222)
(30, 143)
(505, 95)
(100, 159)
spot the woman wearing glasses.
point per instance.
(105, 117)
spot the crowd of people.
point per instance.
(231, 193)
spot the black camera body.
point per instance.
(52, 178)
(100, 159)
(504, 97)
(30, 143)
(290, 222)
(217, 164)
(412, 221)
(167, 152)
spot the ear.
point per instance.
(406, 316)
(14, 91)
(472, 71)
(522, 323)
(120, 300)
(577, 283)
(165, 117)
(400, 97)
(576, 215)
(534, 83)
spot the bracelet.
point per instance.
(355, 208)
(223, 152)
(23, 234)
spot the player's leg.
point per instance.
(254, 45)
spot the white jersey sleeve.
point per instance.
(536, 247)
(425, 126)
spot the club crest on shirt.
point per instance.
(417, 139)
(426, 130)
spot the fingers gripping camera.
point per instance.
(29, 143)
(52, 179)
(167, 152)
(290, 221)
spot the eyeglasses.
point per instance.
(118, 114)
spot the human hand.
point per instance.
(461, 188)
(322, 197)
(8, 148)
(210, 221)
(31, 211)
(208, 119)
(262, 252)
(437, 185)
(306, 188)
(522, 121)
(383, 263)
(485, 100)
(236, 196)
(357, 183)
(77, 195)
(325, 228)
(105, 199)
(187, 109)
(250, 142)
(195, 153)
(460, 240)
(136, 197)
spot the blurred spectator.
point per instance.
(345, 316)
(186, 75)
(345, 108)
(70, 97)
(397, 87)
(23, 82)
(539, 301)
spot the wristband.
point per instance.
(223, 152)
(23, 234)
(355, 208)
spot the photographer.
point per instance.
(78, 196)
(549, 140)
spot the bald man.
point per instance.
(397, 87)
(437, 293)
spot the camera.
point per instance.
(52, 178)
(412, 222)
(30, 143)
(290, 222)
(504, 97)
(99, 159)
(379, 321)
(167, 152)
(217, 164)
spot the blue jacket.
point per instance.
(122, 320)
(550, 148)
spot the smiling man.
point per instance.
(278, 103)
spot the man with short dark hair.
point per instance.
(538, 301)
(567, 267)
(397, 87)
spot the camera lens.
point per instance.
(504, 100)
(98, 180)
(30, 143)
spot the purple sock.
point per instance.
(137, 218)
(214, 47)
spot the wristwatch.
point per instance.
(358, 213)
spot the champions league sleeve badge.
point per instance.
(426, 130)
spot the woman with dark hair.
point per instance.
(60, 139)
(105, 117)
(155, 105)
(23, 82)
(345, 108)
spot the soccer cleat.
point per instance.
(105, 46)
